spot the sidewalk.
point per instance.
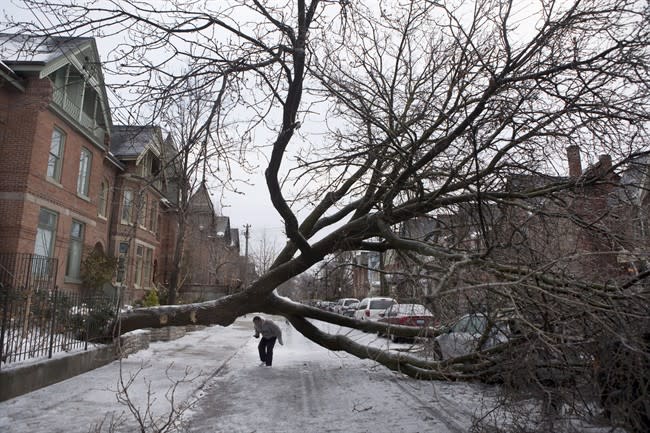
(77, 404)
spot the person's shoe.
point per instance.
(268, 365)
(262, 364)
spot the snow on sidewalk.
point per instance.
(76, 404)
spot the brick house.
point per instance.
(581, 230)
(55, 165)
(635, 182)
(596, 230)
(213, 266)
(71, 181)
(138, 208)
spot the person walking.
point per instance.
(270, 333)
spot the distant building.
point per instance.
(212, 253)
(595, 231)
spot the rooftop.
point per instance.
(15, 48)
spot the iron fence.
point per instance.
(28, 271)
(37, 319)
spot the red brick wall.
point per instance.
(168, 230)
(24, 188)
(135, 235)
(18, 114)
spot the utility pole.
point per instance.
(383, 284)
(246, 235)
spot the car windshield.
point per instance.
(474, 324)
(477, 324)
(380, 304)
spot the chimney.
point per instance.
(573, 155)
(605, 163)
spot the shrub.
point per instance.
(97, 269)
(151, 299)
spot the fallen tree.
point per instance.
(382, 114)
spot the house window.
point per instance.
(153, 215)
(139, 256)
(146, 164)
(122, 253)
(127, 206)
(102, 200)
(142, 210)
(83, 180)
(72, 270)
(148, 259)
(55, 158)
(45, 233)
(143, 266)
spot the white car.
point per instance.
(343, 304)
(371, 308)
(465, 334)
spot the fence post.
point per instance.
(92, 304)
(56, 295)
(5, 314)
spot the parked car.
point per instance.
(350, 309)
(326, 305)
(464, 335)
(407, 315)
(344, 303)
(371, 308)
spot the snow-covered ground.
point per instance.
(308, 389)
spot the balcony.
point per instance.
(74, 111)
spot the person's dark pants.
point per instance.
(266, 349)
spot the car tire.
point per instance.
(394, 338)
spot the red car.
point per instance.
(408, 315)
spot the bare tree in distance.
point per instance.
(263, 252)
(437, 109)
(192, 121)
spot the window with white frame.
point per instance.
(153, 215)
(143, 266)
(45, 233)
(139, 258)
(102, 200)
(127, 206)
(55, 158)
(148, 261)
(142, 210)
(75, 250)
(83, 181)
(122, 255)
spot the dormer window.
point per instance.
(155, 166)
(149, 165)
